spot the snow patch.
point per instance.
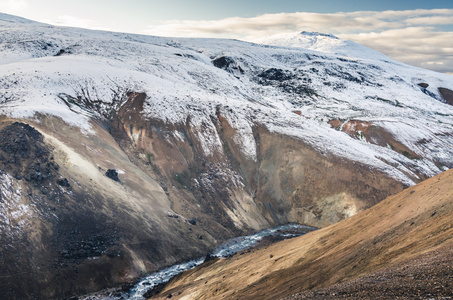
(14, 213)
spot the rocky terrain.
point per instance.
(400, 248)
(429, 276)
(122, 154)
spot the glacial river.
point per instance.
(228, 248)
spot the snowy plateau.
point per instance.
(207, 139)
(318, 75)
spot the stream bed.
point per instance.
(228, 248)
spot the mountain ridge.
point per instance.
(323, 42)
(306, 94)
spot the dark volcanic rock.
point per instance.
(19, 139)
(423, 85)
(228, 64)
(63, 182)
(154, 291)
(222, 62)
(447, 95)
(275, 75)
(24, 154)
(209, 257)
(112, 174)
(93, 247)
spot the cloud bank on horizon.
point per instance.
(422, 37)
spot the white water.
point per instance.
(229, 248)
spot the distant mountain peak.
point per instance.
(316, 34)
(322, 42)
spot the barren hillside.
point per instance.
(401, 247)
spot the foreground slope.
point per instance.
(394, 244)
(134, 152)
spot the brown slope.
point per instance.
(428, 276)
(400, 228)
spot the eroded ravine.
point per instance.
(173, 201)
(288, 181)
(153, 283)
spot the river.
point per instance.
(228, 248)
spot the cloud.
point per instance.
(411, 36)
(431, 20)
(260, 26)
(71, 21)
(419, 46)
(13, 6)
(264, 25)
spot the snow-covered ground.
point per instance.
(318, 75)
(322, 42)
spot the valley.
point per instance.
(400, 247)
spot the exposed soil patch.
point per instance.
(373, 134)
(73, 228)
(423, 85)
(447, 94)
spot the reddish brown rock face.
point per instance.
(373, 134)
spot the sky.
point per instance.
(416, 32)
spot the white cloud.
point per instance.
(256, 27)
(434, 63)
(264, 25)
(411, 36)
(431, 20)
(13, 6)
(419, 46)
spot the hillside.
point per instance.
(401, 247)
(122, 154)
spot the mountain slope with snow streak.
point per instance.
(209, 139)
(262, 85)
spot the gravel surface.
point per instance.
(429, 276)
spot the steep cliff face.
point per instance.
(287, 181)
(134, 152)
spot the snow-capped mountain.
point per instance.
(204, 139)
(260, 85)
(322, 42)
